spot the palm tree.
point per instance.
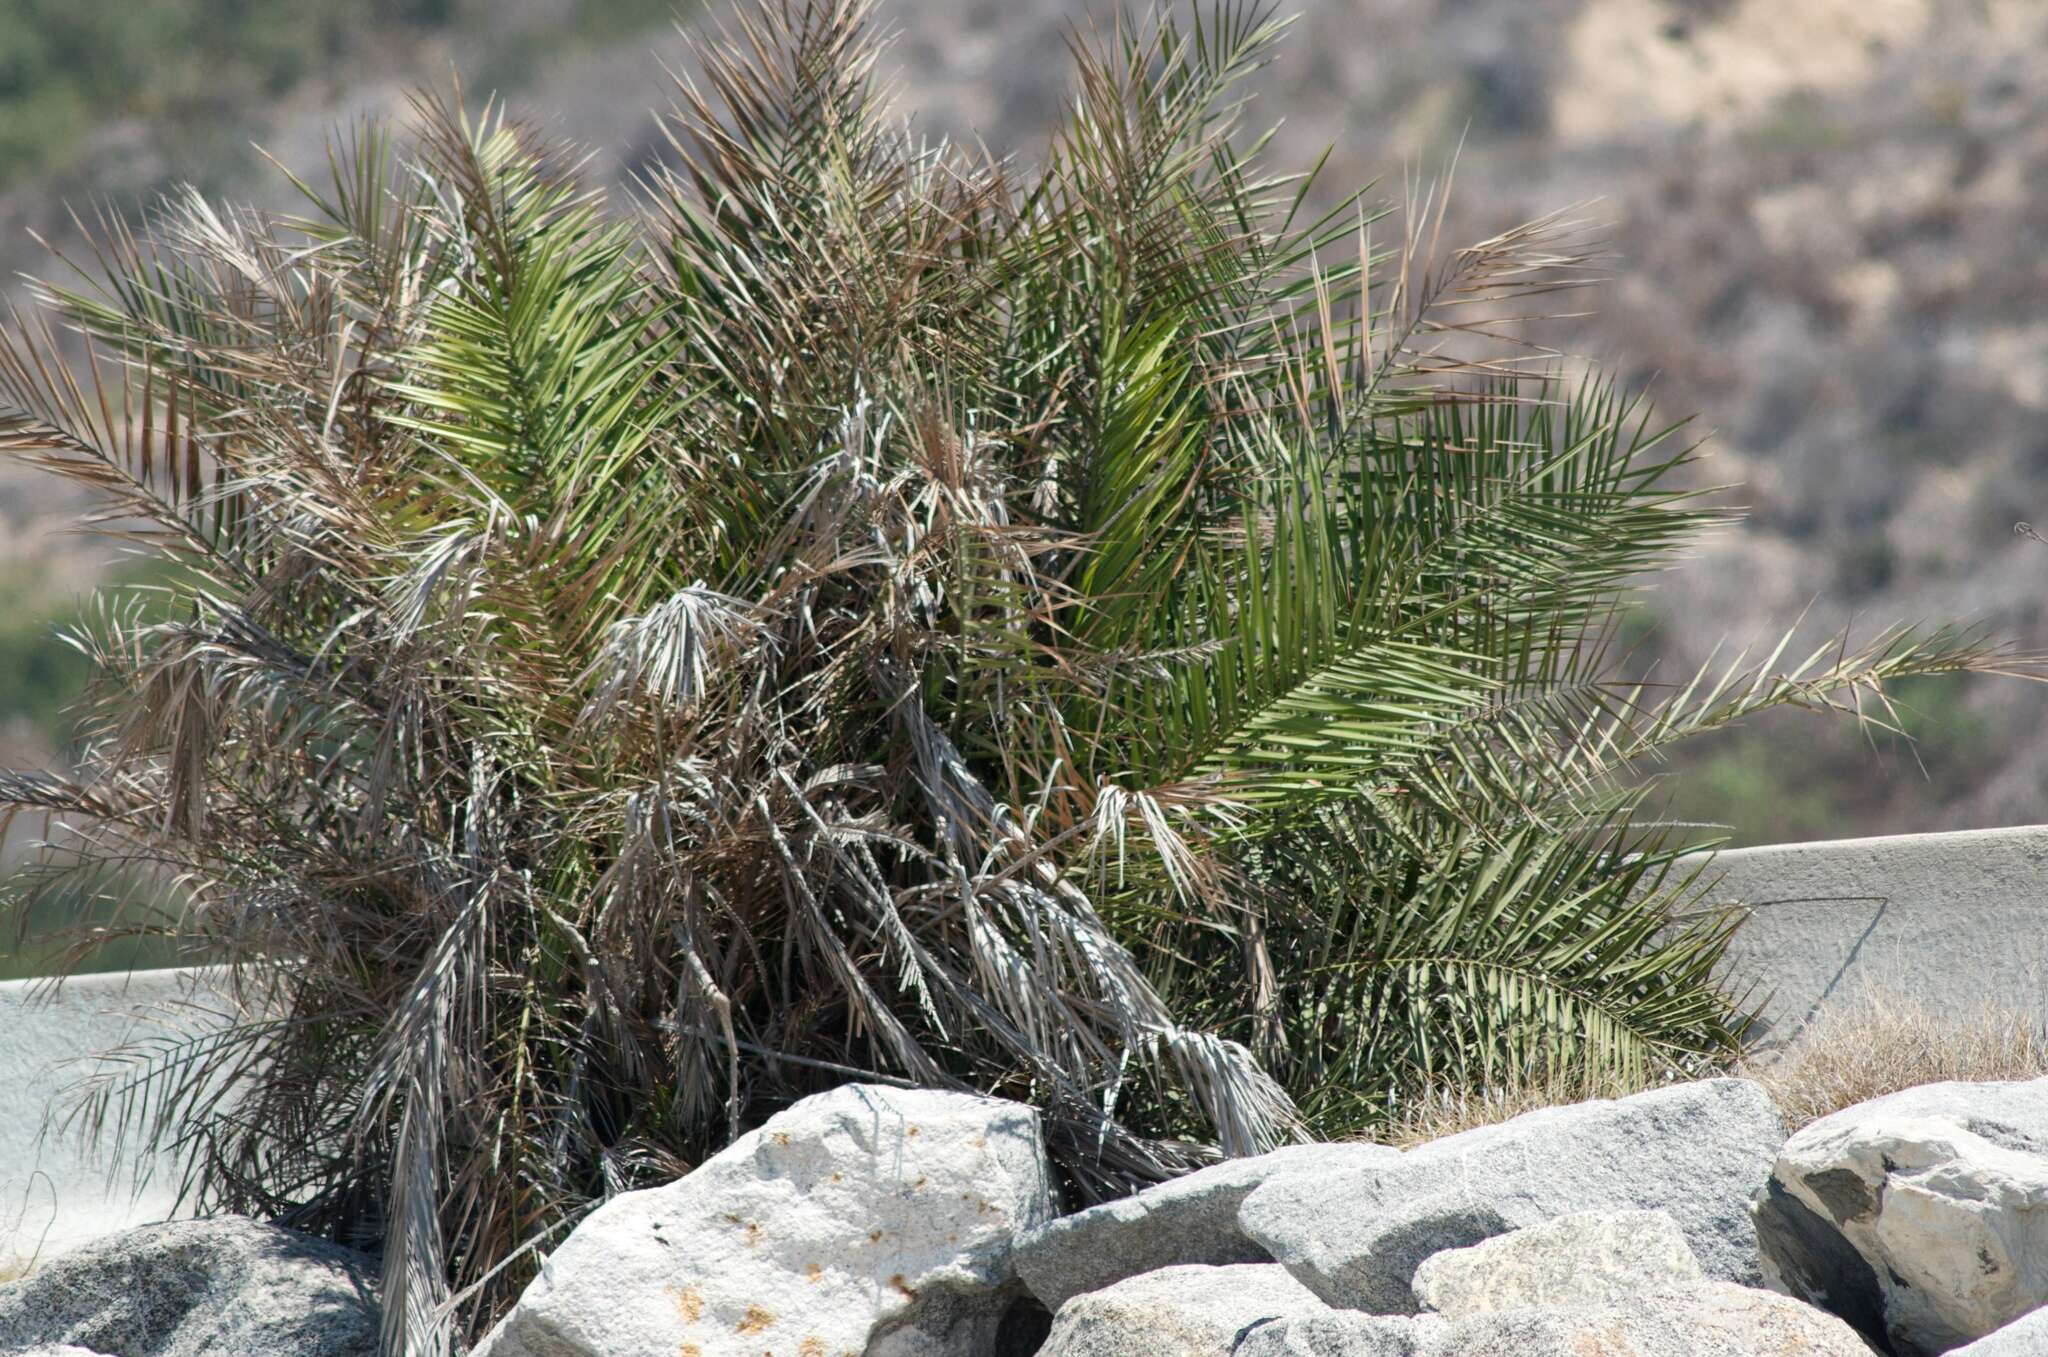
(1099, 636)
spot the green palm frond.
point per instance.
(1482, 963)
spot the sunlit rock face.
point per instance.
(864, 1220)
(1921, 1216)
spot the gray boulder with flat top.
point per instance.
(1192, 1219)
(1706, 1319)
(1700, 1151)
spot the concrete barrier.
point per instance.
(55, 1191)
(1954, 922)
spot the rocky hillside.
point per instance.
(106, 108)
(1681, 1222)
(1829, 241)
(1827, 229)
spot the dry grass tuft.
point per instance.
(1450, 1109)
(1861, 1049)
(1878, 1044)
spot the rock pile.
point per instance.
(1922, 1217)
(871, 1222)
(1700, 1152)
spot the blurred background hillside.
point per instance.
(1830, 225)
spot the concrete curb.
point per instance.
(55, 1191)
(1953, 921)
(1956, 922)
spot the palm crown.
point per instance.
(1095, 637)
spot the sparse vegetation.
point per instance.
(1093, 635)
(41, 676)
(1861, 1047)
(1432, 1114)
(56, 920)
(1875, 1043)
(1788, 777)
(194, 72)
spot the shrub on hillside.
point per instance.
(1083, 634)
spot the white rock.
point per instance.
(1921, 1217)
(2027, 1337)
(1701, 1151)
(1343, 1333)
(1587, 1258)
(197, 1288)
(1707, 1319)
(1191, 1311)
(1703, 1319)
(1192, 1219)
(861, 1220)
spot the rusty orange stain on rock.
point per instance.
(813, 1273)
(812, 1346)
(690, 1304)
(755, 1319)
(909, 1291)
